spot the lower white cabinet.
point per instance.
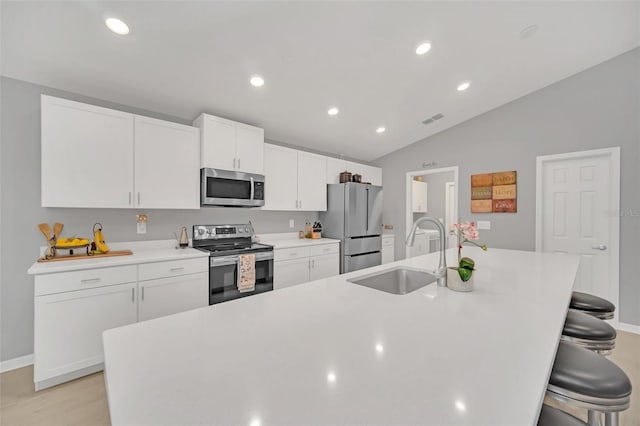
(166, 296)
(72, 309)
(302, 264)
(68, 327)
(388, 248)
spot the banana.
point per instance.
(98, 238)
(70, 242)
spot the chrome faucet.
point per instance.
(441, 272)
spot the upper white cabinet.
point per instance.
(369, 173)
(295, 180)
(166, 165)
(87, 155)
(101, 158)
(229, 145)
(419, 197)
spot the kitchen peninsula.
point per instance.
(332, 352)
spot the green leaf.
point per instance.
(467, 263)
(465, 274)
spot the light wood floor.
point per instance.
(83, 402)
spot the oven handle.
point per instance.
(235, 260)
(253, 189)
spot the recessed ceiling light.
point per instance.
(117, 26)
(464, 86)
(381, 129)
(333, 111)
(257, 81)
(331, 377)
(528, 32)
(423, 48)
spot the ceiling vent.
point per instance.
(430, 120)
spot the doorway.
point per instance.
(577, 204)
(430, 193)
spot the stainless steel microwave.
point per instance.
(231, 189)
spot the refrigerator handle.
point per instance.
(367, 228)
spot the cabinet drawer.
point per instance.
(85, 279)
(172, 268)
(290, 253)
(387, 241)
(324, 249)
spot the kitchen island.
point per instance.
(331, 352)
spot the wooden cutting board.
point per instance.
(86, 256)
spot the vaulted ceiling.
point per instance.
(183, 58)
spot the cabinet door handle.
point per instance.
(129, 197)
(143, 293)
(234, 163)
(177, 269)
(313, 263)
(599, 247)
(133, 295)
(238, 163)
(138, 198)
(90, 280)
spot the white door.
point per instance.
(87, 155)
(576, 199)
(167, 156)
(312, 186)
(290, 272)
(250, 149)
(324, 266)
(450, 212)
(281, 178)
(218, 143)
(69, 326)
(166, 296)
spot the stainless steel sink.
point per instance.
(398, 280)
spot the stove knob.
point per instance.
(201, 231)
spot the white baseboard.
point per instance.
(630, 328)
(12, 364)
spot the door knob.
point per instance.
(599, 247)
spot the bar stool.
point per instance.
(551, 416)
(592, 305)
(585, 379)
(588, 332)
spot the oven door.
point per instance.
(228, 188)
(223, 277)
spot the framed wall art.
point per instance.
(494, 192)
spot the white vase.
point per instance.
(454, 282)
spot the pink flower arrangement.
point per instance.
(466, 233)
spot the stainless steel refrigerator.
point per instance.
(354, 216)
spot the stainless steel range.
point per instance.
(226, 244)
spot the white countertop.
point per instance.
(331, 352)
(291, 240)
(143, 252)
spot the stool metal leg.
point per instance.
(611, 419)
(593, 418)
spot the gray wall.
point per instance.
(435, 195)
(594, 109)
(21, 211)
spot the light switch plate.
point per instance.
(142, 227)
(291, 223)
(484, 224)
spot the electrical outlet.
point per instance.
(292, 223)
(484, 224)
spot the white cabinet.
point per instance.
(388, 248)
(68, 328)
(290, 272)
(369, 173)
(96, 157)
(307, 263)
(72, 309)
(312, 187)
(229, 145)
(87, 155)
(324, 266)
(419, 197)
(166, 165)
(295, 180)
(166, 296)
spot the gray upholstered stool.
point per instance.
(551, 416)
(592, 305)
(589, 332)
(585, 379)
